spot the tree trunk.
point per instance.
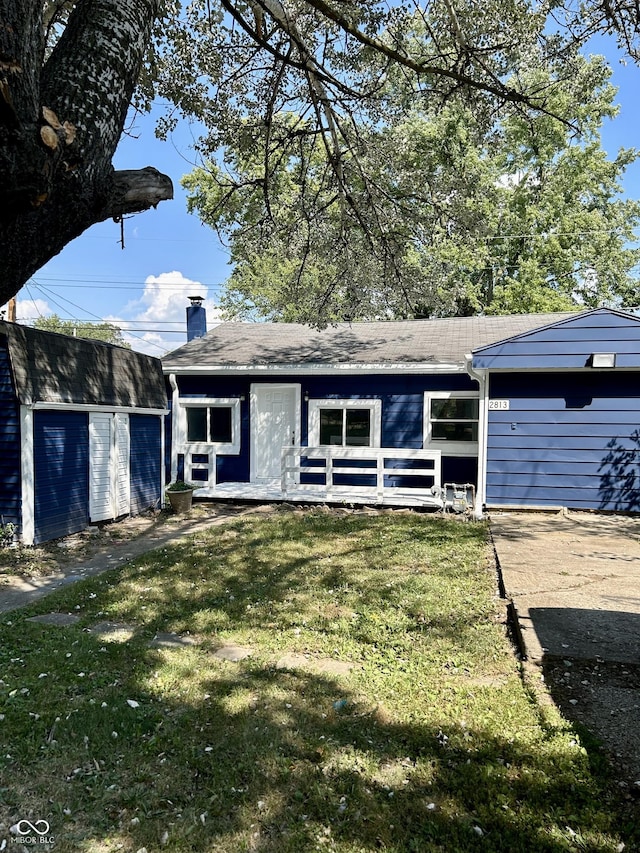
(60, 121)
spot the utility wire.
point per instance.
(46, 292)
(123, 284)
(479, 239)
(35, 304)
(117, 325)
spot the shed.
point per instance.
(561, 426)
(81, 432)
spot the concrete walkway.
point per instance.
(20, 591)
(574, 579)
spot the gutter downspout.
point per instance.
(27, 475)
(482, 378)
(176, 439)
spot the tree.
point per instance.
(314, 134)
(585, 19)
(511, 216)
(106, 332)
(560, 231)
(69, 70)
(67, 75)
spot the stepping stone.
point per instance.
(171, 641)
(113, 632)
(320, 666)
(232, 653)
(72, 579)
(485, 681)
(60, 619)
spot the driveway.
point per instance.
(574, 580)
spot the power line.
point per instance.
(35, 304)
(119, 322)
(46, 291)
(480, 239)
(197, 240)
(123, 284)
(147, 330)
(547, 234)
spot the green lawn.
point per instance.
(431, 742)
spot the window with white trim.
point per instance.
(213, 423)
(344, 423)
(451, 421)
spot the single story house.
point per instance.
(532, 410)
(81, 432)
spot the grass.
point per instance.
(430, 743)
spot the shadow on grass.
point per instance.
(178, 750)
(274, 580)
(267, 763)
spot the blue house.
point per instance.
(383, 412)
(561, 415)
(81, 432)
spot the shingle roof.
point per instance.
(442, 341)
(52, 368)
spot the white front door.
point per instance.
(108, 466)
(275, 415)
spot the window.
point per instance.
(346, 427)
(196, 424)
(212, 424)
(215, 424)
(452, 418)
(344, 423)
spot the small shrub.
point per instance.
(7, 534)
(180, 486)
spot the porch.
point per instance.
(350, 475)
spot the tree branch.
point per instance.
(136, 190)
(499, 90)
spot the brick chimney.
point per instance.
(196, 318)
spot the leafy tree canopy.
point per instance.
(452, 213)
(312, 81)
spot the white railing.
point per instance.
(380, 465)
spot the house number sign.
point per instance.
(502, 405)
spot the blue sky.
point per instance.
(170, 255)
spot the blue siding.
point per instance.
(61, 453)
(460, 469)
(229, 469)
(568, 439)
(146, 462)
(10, 486)
(402, 397)
(568, 344)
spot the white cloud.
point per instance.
(163, 305)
